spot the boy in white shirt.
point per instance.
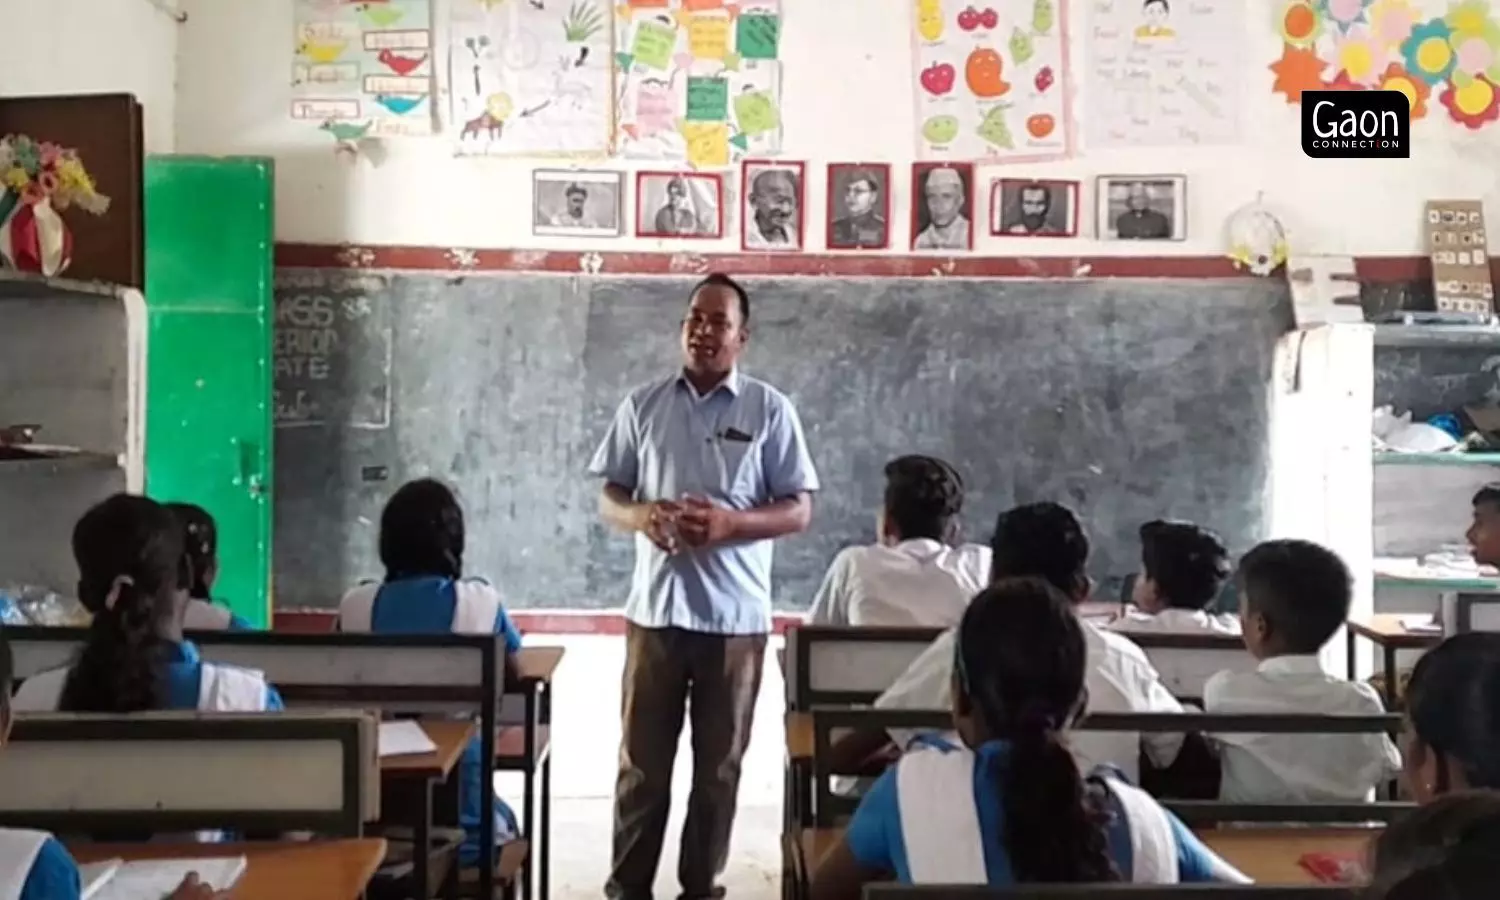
(1183, 569)
(1042, 540)
(1294, 596)
(915, 576)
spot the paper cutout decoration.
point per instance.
(364, 63)
(1457, 245)
(1389, 45)
(1257, 239)
(983, 71)
(698, 81)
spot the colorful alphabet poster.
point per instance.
(699, 81)
(530, 78)
(1444, 58)
(992, 80)
(1162, 74)
(363, 67)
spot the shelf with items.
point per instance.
(73, 363)
(1394, 458)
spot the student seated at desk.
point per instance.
(132, 572)
(916, 575)
(33, 864)
(1183, 569)
(1447, 850)
(1484, 533)
(201, 537)
(1296, 595)
(1043, 540)
(1452, 739)
(424, 592)
(1008, 805)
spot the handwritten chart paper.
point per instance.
(365, 65)
(529, 80)
(1162, 75)
(699, 80)
(991, 79)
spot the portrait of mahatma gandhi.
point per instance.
(771, 208)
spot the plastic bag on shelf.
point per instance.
(33, 605)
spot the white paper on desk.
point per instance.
(153, 879)
(404, 738)
(94, 876)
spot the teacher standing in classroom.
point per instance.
(706, 467)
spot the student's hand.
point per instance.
(661, 524)
(194, 889)
(703, 524)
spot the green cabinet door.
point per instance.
(209, 423)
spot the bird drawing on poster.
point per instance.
(401, 65)
(381, 15)
(400, 105)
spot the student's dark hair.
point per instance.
(1453, 702)
(1303, 589)
(200, 538)
(1189, 564)
(1489, 495)
(719, 279)
(1020, 659)
(130, 568)
(1446, 850)
(422, 532)
(922, 496)
(1041, 540)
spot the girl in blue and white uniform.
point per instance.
(201, 537)
(424, 592)
(134, 576)
(1009, 806)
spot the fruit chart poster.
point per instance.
(992, 80)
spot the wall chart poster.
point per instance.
(530, 77)
(1162, 73)
(365, 64)
(698, 80)
(992, 79)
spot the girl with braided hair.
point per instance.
(1009, 806)
(918, 574)
(133, 576)
(201, 541)
(424, 592)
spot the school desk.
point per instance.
(409, 784)
(528, 750)
(1387, 633)
(1267, 855)
(276, 870)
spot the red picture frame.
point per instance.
(641, 182)
(1071, 189)
(883, 173)
(749, 170)
(920, 218)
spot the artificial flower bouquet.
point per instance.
(38, 179)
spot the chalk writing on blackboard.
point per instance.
(331, 355)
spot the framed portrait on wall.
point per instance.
(686, 205)
(771, 194)
(575, 203)
(942, 206)
(1141, 207)
(1033, 207)
(859, 206)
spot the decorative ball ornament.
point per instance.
(1257, 239)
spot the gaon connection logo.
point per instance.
(1356, 125)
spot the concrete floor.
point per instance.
(585, 746)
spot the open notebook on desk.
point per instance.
(404, 738)
(153, 879)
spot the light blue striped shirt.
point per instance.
(741, 446)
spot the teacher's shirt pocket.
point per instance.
(740, 451)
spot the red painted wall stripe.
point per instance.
(1371, 270)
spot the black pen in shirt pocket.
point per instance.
(734, 434)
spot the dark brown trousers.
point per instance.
(670, 673)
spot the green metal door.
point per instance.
(209, 423)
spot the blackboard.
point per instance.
(1124, 399)
(332, 351)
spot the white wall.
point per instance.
(847, 97)
(94, 47)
